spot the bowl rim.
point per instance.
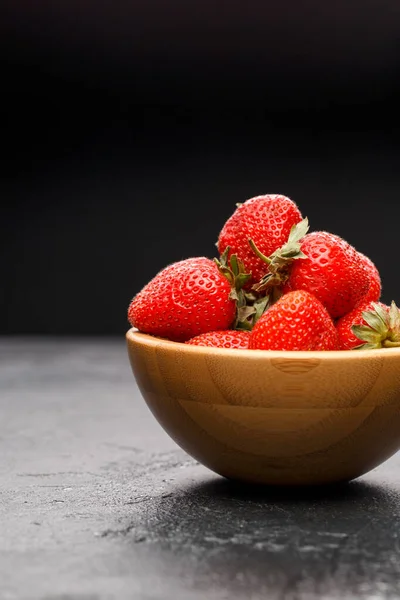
(135, 336)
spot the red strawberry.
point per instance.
(370, 325)
(222, 339)
(347, 339)
(298, 321)
(185, 299)
(267, 220)
(375, 288)
(333, 271)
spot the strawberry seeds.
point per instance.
(275, 286)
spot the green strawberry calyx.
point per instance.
(280, 261)
(382, 329)
(234, 270)
(249, 306)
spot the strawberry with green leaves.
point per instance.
(222, 339)
(267, 220)
(333, 271)
(298, 321)
(369, 326)
(321, 263)
(186, 299)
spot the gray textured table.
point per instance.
(97, 501)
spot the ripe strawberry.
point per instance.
(185, 299)
(298, 321)
(222, 339)
(347, 339)
(267, 220)
(370, 325)
(375, 288)
(333, 271)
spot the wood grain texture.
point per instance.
(282, 418)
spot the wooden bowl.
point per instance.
(282, 418)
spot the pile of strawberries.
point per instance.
(274, 287)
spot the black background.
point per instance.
(131, 130)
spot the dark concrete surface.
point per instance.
(96, 502)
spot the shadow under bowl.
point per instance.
(277, 418)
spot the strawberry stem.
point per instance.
(280, 261)
(389, 344)
(259, 253)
